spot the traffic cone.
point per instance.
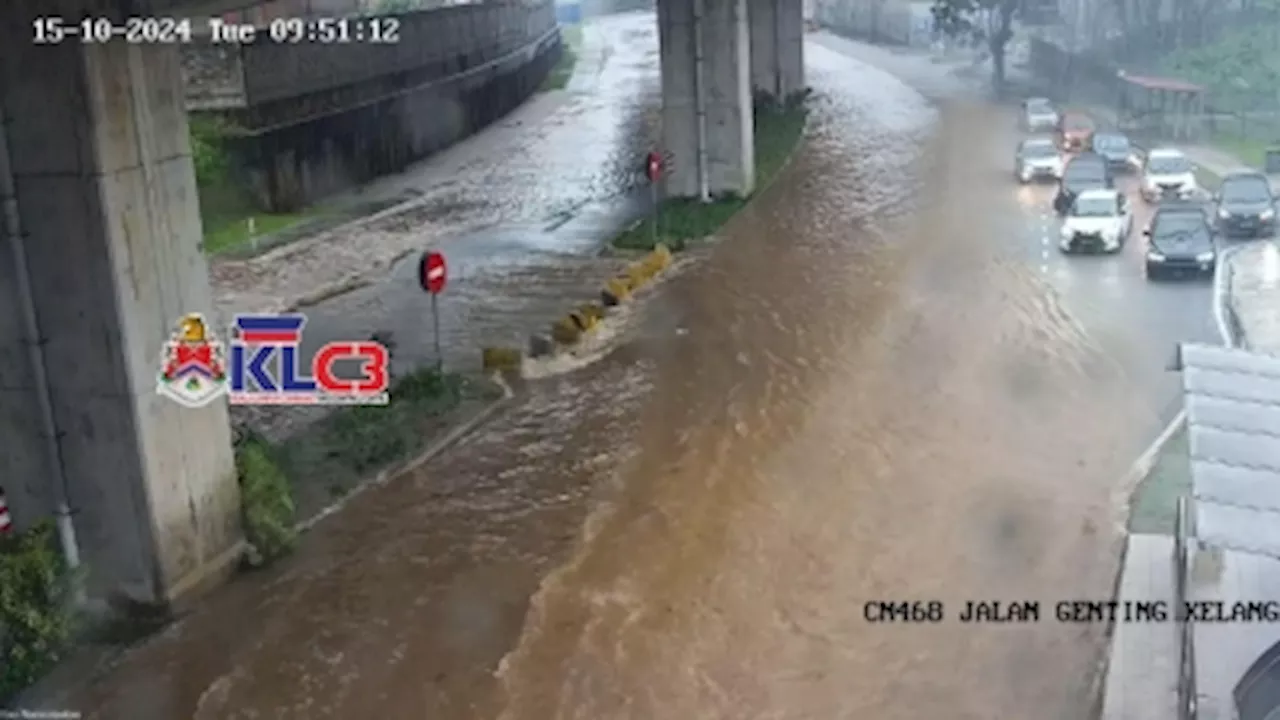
(6, 522)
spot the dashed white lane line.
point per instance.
(1045, 241)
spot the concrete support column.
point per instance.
(721, 124)
(107, 213)
(777, 48)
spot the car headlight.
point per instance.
(1267, 214)
(1205, 257)
(1222, 213)
(1154, 256)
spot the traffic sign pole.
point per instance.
(435, 327)
(432, 276)
(653, 169)
(653, 197)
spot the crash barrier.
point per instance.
(574, 326)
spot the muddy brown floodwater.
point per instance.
(855, 396)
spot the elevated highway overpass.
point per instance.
(102, 254)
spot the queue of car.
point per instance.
(1083, 161)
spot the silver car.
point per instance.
(1039, 115)
(1037, 159)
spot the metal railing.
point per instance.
(1182, 536)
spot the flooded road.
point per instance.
(865, 392)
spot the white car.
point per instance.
(1168, 171)
(1039, 115)
(1099, 220)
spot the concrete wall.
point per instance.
(904, 22)
(442, 42)
(321, 119)
(293, 166)
(592, 8)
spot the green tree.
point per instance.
(988, 20)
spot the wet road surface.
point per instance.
(869, 391)
(1137, 321)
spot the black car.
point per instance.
(1115, 149)
(1086, 171)
(1180, 240)
(1245, 205)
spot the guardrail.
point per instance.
(1187, 693)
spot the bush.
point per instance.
(266, 501)
(35, 610)
(209, 152)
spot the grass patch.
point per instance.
(1155, 501)
(234, 232)
(681, 220)
(329, 459)
(1207, 179)
(1250, 151)
(570, 44)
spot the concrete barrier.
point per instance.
(636, 275)
(501, 359)
(577, 324)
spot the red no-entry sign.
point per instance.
(431, 272)
(653, 166)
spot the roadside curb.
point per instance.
(382, 477)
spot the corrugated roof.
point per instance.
(1233, 423)
(1150, 82)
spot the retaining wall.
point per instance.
(317, 119)
(894, 21)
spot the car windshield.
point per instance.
(1111, 143)
(1039, 107)
(1085, 171)
(1181, 226)
(1077, 122)
(1246, 190)
(1039, 150)
(1168, 165)
(1094, 207)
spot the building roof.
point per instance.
(1233, 423)
(1151, 82)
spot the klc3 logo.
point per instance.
(255, 379)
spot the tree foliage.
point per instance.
(1242, 68)
(990, 21)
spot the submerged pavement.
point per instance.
(867, 392)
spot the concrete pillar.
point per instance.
(726, 92)
(106, 202)
(777, 48)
